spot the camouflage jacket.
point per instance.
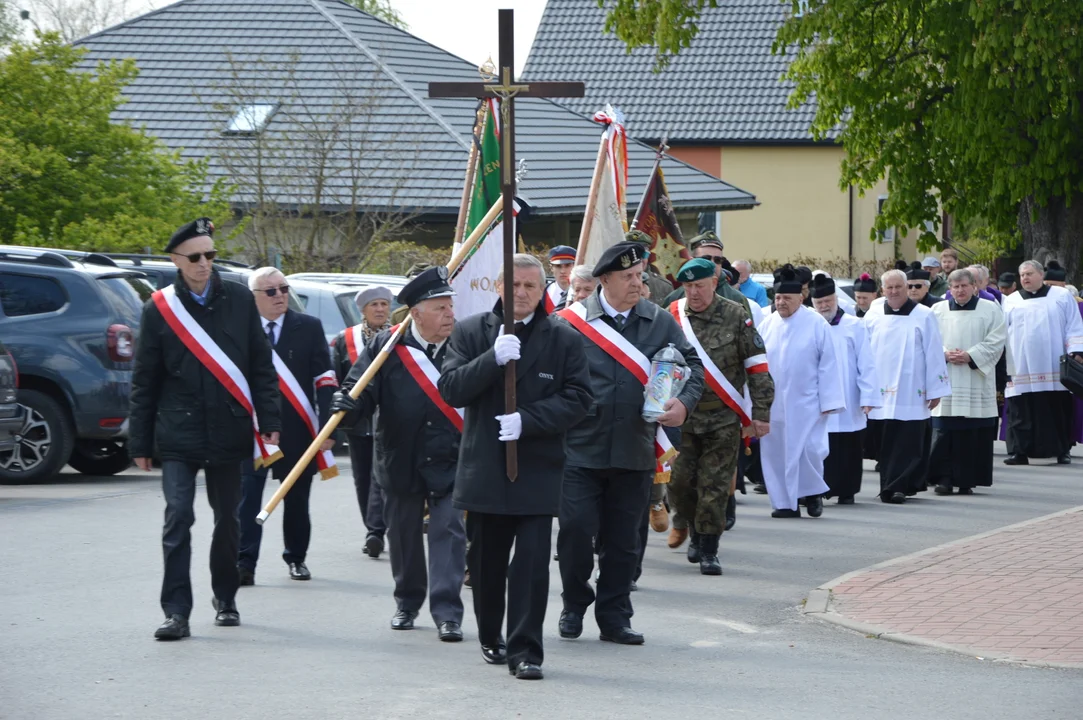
(725, 331)
(724, 290)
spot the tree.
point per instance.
(381, 9)
(71, 178)
(973, 107)
(75, 19)
(9, 23)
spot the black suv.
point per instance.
(71, 327)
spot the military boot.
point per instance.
(693, 545)
(708, 561)
(731, 512)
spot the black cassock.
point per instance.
(904, 456)
(1040, 424)
(874, 432)
(842, 468)
(962, 451)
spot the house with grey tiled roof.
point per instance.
(723, 104)
(261, 87)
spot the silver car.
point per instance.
(330, 296)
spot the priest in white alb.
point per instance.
(1043, 325)
(846, 429)
(973, 331)
(808, 387)
(909, 356)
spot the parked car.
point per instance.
(71, 327)
(324, 293)
(11, 412)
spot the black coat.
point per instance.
(417, 446)
(553, 393)
(340, 357)
(614, 433)
(178, 404)
(303, 347)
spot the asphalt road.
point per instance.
(79, 603)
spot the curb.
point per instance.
(819, 603)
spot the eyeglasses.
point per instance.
(194, 257)
(271, 292)
(915, 287)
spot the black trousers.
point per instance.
(1040, 424)
(370, 498)
(904, 456)
(525, 580)
(296, 524)
(223, 493)
(610, 505)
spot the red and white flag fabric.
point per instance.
(552, 297)
(206, 350)
(610, 220)
(424, 372)
(355, 342)
(295, 395)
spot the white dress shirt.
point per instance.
(425, 343)
(277, 329)
(609, 308)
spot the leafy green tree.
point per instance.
(381, 9)
(71, 178)
(970, 106)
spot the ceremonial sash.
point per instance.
(200, 344)
(740, 403)
(552, 297)
(355, 340)
(295, 394)
(625, 353)
(422, 370)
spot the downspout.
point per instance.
(850, 238)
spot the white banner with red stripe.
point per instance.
(293, 392)
(628, 355)
(423, 371)
(355, 342)
(206, 350)
(552, 297)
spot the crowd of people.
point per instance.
(916, 372)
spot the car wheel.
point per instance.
(99, 457)
(44, 443)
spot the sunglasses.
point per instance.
(915, 287)
(271, 292)
(717, 259)
(194, 257)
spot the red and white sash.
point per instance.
(200, 344)
(295, 394)
(627, 354)
(552, 297)
(355, 341)
(422, 370)
(740, 403)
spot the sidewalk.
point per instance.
(1013, 594)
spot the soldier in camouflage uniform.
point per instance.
(707, 245)
(711, 437)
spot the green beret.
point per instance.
(638, 236)
(707, 238)
(696, 269)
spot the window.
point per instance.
(126, 295)
(250, 119)
(884, 236)
(28, 295)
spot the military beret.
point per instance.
(619, 257)
(199, 227)
(822, 286)
(1054, 272)
(429, 284)
(786, 281)
(696, 269)
(916, 272)
(707, 238)
(865, 283)
(638, 236)
(562, 255)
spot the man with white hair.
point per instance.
(306, 382)
(750, 288)
(1043, 324)
(909, 357)
(583, 283)
(846, 429)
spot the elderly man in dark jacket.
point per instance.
(611, 454)
(553, 393)
(417, 449)
(194, 332)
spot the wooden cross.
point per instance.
(507, 90)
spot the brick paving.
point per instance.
(1015, 594)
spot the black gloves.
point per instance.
(342, 402)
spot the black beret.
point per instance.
(822, 286)
(1006, 279)
(865, 283)
(786, 281)
(1054, 272)
(197, 228)
(619, 257)
(428, 284)
(902, 265)
(916, 272)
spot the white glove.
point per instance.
(511, 426)
(506, 348)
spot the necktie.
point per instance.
(563, 297)
(431, 351)
(519, 328)
(271, 333)
(618, 320)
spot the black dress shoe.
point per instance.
(227, 615)
(246, 577)
(815, 506)
(450, 631)
(759, 488)
(622, 636)
(633, 587)
(731, 513)
(848, 500)
(944, 490)
(785, 513)
(526, 671)
(495, 654)
(374, 546)
(299, 571)
(571, 625)
(966, 491)
(894, 498)
(403, 620)
(1016, 459)
(1064, 460)
(175, 627)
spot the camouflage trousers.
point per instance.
(700, 486)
